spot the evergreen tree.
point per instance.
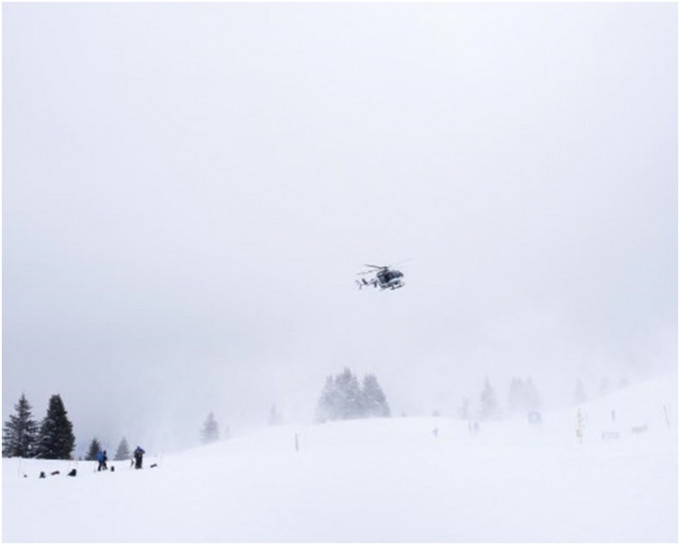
(94, 450)
(343, 398)
(523, 396)
(374, 402)
(532, 399)
(20, 432)
(210, 432)
(580, 393)
(123, 452)
(55, 438)
(351, 399)
(329, 401)
(488, 406)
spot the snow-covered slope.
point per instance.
(392, 480)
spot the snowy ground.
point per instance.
(389, 480)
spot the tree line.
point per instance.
(50, 439)
(342, 397)
(122, 452)
(522, 398)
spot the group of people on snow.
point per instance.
(136, 461)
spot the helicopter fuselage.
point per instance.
(385, 279)
(390, 279)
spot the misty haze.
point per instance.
(202, 208)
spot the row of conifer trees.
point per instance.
(343, 397)
(51, 439)
(122, 452)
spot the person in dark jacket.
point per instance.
(139, 455)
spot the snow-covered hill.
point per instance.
(392, 480)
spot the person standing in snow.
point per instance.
(139, 455)
(101, 460)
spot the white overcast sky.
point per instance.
(190, 189)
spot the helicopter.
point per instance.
(385, 277)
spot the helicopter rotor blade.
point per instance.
(402, 261)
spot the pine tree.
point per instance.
(532, 399)
(351, 400)
(123, 452)
(329, 401)
(94, 450)
(55, 438)
(488, 408)
(580, 393)
(343, 398)
(210, 432)
(523, 396)
(20, 432)
(374, 402)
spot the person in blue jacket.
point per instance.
(139, 455)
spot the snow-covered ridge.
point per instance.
(396, 480)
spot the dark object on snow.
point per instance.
(153, 465)
(54, 473)
(42, 475)
(113, 468)
(72, 473)
(139, 456)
